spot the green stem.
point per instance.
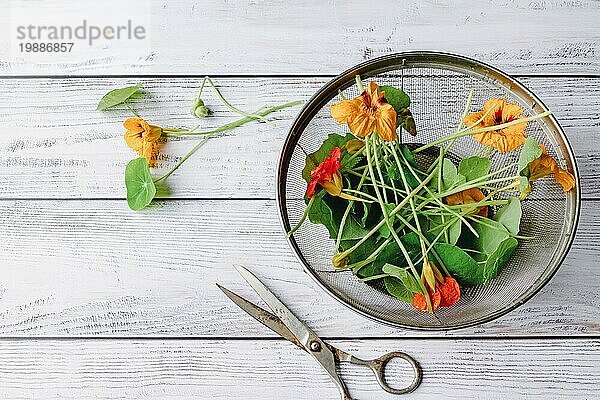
(208, 135)
(231, 107)
(132, 110)
(306, 211)
(359, 83)
(188, 155)
(346, 212)
(231, 125)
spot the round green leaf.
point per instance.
(509, 215)
(139, 184)
(396, 97)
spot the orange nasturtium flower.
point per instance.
(468, 196)
(498, 112)
(545, 166)
(446, 294)
(327, 175)
(142, 137)
(443, 292)
(368, 112)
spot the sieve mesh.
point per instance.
(438, 85)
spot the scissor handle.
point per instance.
(378, 367)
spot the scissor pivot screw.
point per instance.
(315, 346)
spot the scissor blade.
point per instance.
(295, 326)
(263, 316)
(321, 352)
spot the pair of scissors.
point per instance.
(286, 324)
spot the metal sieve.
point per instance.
(438, 85)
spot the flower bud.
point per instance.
(199, 110)
(339, 260)
(354, 145)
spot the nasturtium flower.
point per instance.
(468, 196)
(446, 294)
(327, 175)
(449, 292)
(420, 302)
(366, 113)
(442, 291)
(498, 111)
(545, 166)
(142, 137)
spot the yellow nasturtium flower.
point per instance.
(366, 113)
(496, 112)
(142, 137)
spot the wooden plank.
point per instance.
(251, 369)
(94, 268)
(311, 37)
(53, 144)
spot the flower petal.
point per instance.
(149, 151)
(468, 196)
(310, 191)
(153, 133)
(470, 120)
(494, 116)
(449, 292)
(134, 124)
(134, 140)
(385, 118)
(345, 110)
(362, 124)
(511, 112)
(565, 179)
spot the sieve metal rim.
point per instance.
(448, 61)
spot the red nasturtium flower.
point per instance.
(367, 112)
(327, 175)
(446, 294)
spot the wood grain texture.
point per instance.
(314, 37)
(94, 268)
(54, 144)
(248, 369)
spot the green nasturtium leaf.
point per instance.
(321, 213)
(474, 167)
(385, 230)
(324, 211)
(410, 157)
(405, 276)
(139, 184)
(460, 264)
(499, 258)
(396, 288)
(316, 158)
(396, 97)
(391, 253)
(509, 215)
(491, 234)
(454, 230)
(117, 96)
(530, 151)
(450, 176)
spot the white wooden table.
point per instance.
(97, 301)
